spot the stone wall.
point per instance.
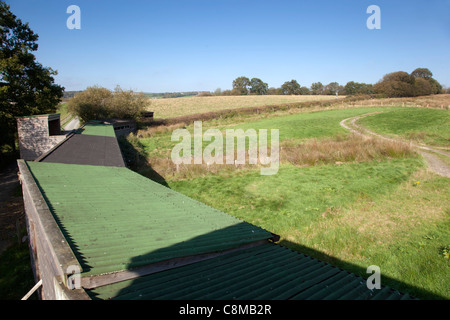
(34, 138)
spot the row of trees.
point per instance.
(255, 86)
(396, 84)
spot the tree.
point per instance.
(436, 87)
(26, 87)
(422, 73)
(257, 86)
(304, 91)
(431, 86)
(352, 88)
(291, 87)
(317, 88)
(242, 85)
(333, 88)
(399, 76)
(366, 88)
(422, 87)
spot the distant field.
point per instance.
(175, 107)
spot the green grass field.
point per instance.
(387, 211)
(427, 126)
(297, 127)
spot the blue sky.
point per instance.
(190, 45)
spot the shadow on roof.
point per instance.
(265, 272)
(358, 270)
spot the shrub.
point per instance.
(96, 103)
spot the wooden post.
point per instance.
(36, 286)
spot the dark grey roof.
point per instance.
(86, 149)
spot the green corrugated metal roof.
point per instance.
(97, 128)
(115, 219)
(266, 272)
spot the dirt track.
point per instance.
(434, 162)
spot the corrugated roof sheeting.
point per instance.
(115, 219)
(266, 272)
